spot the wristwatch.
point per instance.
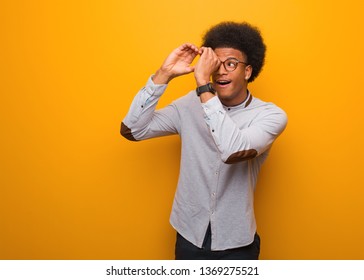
(206, 88)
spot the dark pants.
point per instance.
(185, 250)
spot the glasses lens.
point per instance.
(231, 64)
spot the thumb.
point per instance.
(191, 68)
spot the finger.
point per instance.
(189, 46)
(204, 51)
(208, 52)
(201, 50)
(211, 52)
(193, 47)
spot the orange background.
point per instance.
(72, 188)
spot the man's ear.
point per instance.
(248, 72)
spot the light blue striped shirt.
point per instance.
(223, 149)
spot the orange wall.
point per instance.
(72, 188)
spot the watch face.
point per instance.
(211, 89)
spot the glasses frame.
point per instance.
(235, 59)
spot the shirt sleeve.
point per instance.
(143, 121)
(239, 144)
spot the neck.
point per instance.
(236, 101)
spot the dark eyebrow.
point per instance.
(230, 57)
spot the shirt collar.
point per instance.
(242, 105)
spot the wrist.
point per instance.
(161, 77)
(206, 96)
(205, 88)
(201, 81)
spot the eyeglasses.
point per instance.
(231, 64)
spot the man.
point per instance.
(226, 135)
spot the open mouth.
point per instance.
(223, 82)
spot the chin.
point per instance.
(224, 95)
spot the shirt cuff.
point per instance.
(155, 89)
(212, 106)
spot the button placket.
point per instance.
(213, 193)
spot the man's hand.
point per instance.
(206, 65)
(176, 64)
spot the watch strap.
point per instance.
(205, 88)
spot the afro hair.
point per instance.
(240, 36)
